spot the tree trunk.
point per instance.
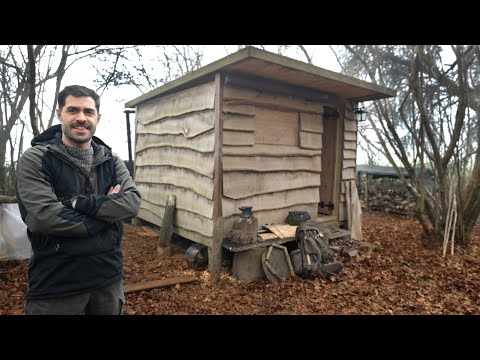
(31, 89)
(430, 96)
(3, 169)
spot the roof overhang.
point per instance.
(251, 61)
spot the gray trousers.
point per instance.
(108, 300)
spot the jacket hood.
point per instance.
(54, 135)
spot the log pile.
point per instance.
(7, 199)
(388, 198)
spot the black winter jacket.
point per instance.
(74, 250)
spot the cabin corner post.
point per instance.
(337, 188)
(215, 250)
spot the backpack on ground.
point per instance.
(313, 251)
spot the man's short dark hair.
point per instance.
(77, 91)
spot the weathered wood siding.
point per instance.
(174, 156)
(311, 130)
(183, 102)
(271, 148)
(271, 154)
(348, 157)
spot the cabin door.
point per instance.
(327, 178)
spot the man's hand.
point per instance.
(114, 189)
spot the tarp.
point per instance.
(14, 243)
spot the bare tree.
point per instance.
(25, 74)
(34, 74)
(432, 123)
(146, 67)
(305, 52)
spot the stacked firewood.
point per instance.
(7, 199)
(388, 198)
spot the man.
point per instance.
(73, 194)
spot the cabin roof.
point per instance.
(254, 62)
(388, 172)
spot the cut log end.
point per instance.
(164, 251)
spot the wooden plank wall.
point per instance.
(275, 172)
(174, 156)
(271, 155)
(349, 156)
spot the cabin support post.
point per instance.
(215, 250)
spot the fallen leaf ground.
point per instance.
(396, 272)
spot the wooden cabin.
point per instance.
(251, 129)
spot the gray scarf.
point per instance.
(82, 157)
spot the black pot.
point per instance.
(297, 217)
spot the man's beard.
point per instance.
(79, 140)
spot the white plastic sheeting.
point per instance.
(14, 243)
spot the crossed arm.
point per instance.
(113, 190)
(42, 211)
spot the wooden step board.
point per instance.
(282, 230)
(154, 284)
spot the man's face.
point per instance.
(79, 120)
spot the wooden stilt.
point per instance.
(164, 245)
(215, 251)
